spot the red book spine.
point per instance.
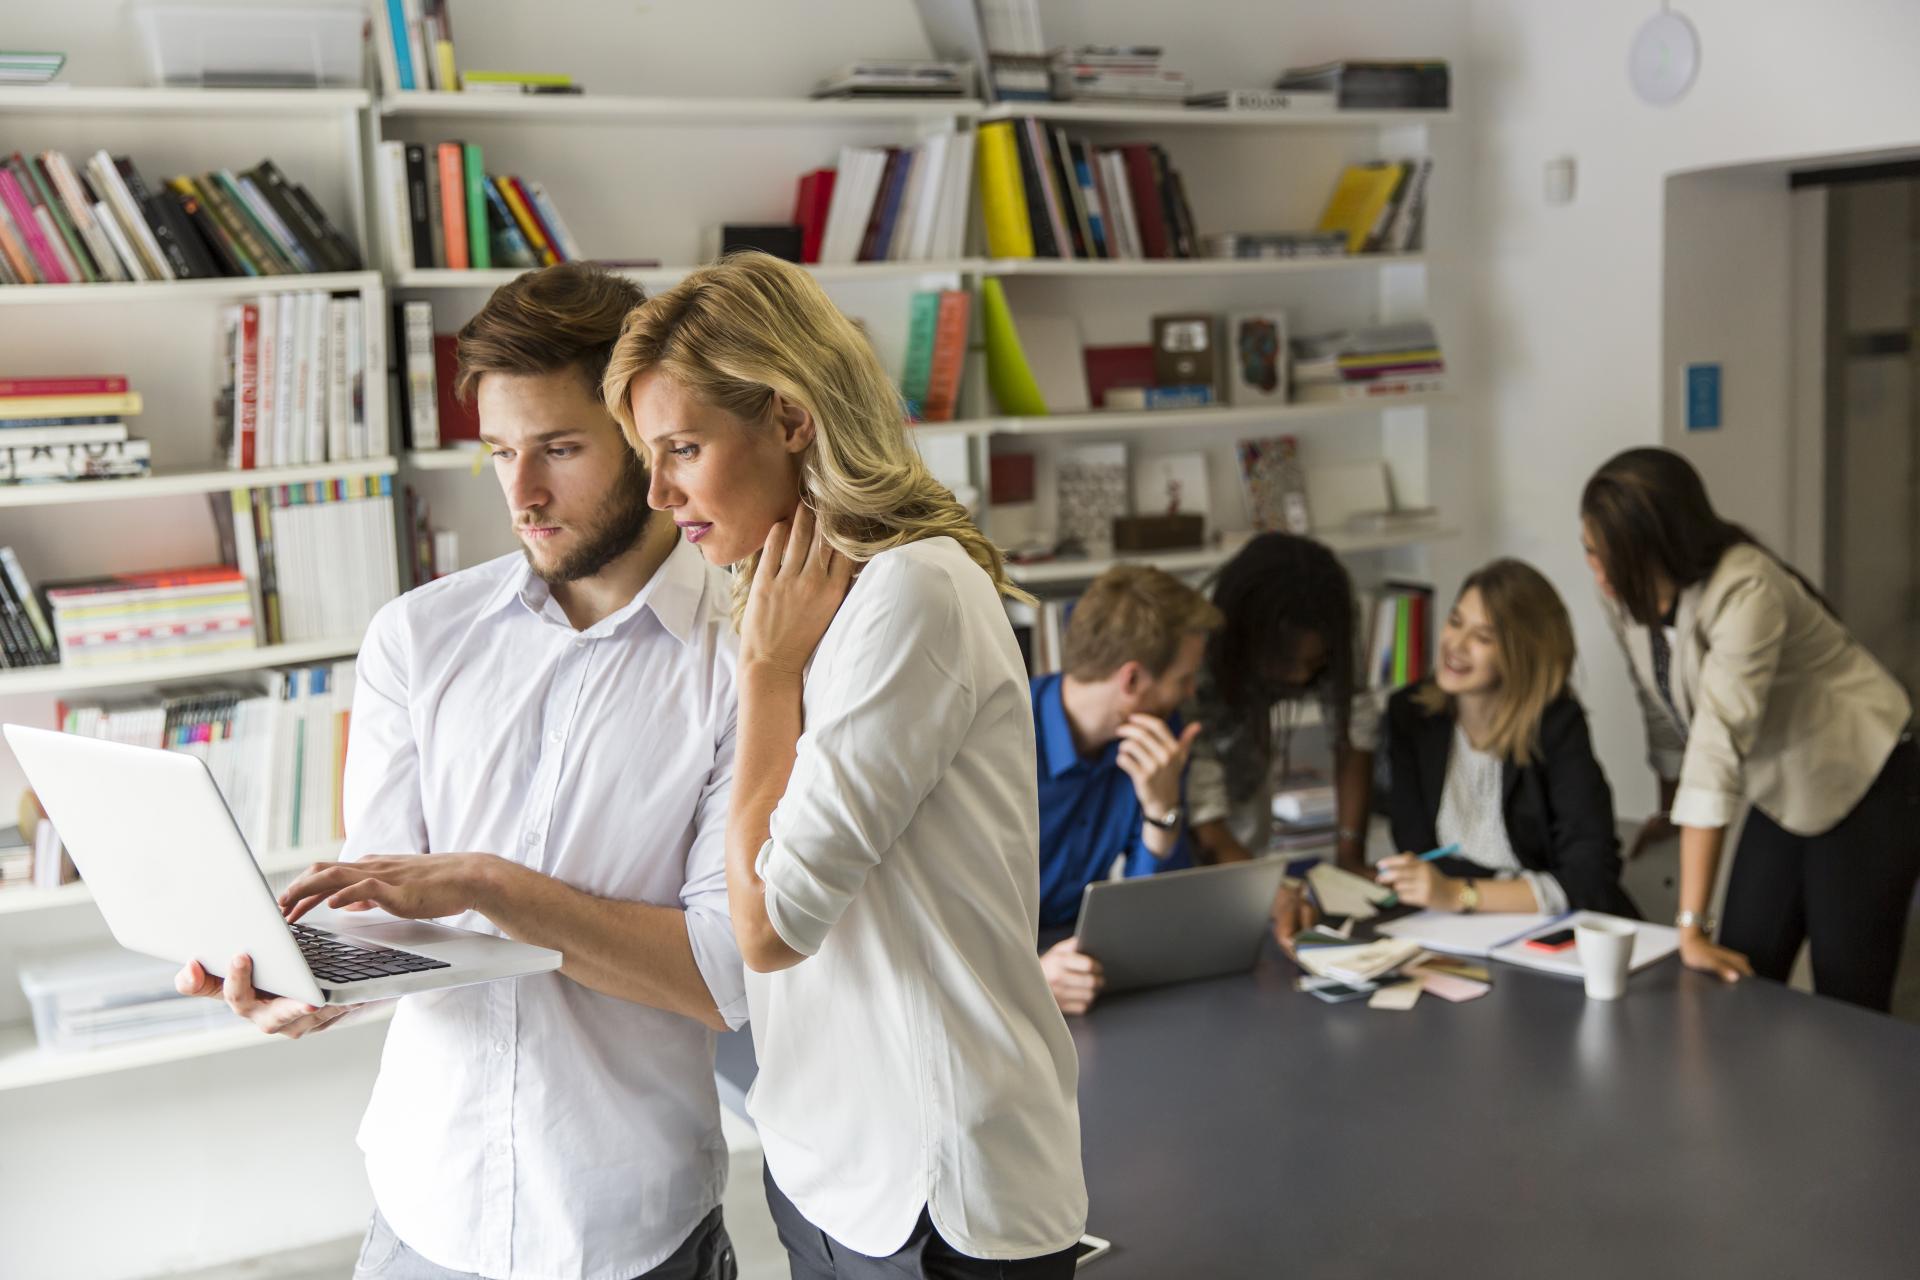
(247, 385)
(810, 211)
(533, 212)
(104, 386)
(453, 204)
(44, 258)
(949, 356)
(1147, 204)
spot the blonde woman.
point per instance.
(916, 1096)
(1492, 754)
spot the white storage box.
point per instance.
(230, 46)
(88, 999)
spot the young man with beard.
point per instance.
(543, 748)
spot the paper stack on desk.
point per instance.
(1342, 893)
(1356, 963)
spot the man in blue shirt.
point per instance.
(1112, 750)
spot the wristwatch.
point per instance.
(1168, 822)
(1701, 920)
(1469, 897)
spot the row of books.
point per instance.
(1362, 85)
(102, 222)
(26, 637)
(887, 204)
(1399, 643)
(1368, 362)
(897, 78)
(936, 354)
(275, 745)
(290, 381)
(1117, 73)
(138, 617)
(431, 553)
(432, 416)
(320, 558)
(18, 868)
(1380, 207)
(60, 429)
(443, 209)
(1045, 195)
(413, 46)
(1019, 60)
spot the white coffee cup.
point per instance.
(1606, 951)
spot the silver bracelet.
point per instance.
(1701, 920)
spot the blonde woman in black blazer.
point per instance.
(1756, 694)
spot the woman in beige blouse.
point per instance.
(1755, 693)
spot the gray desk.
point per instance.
(1237, 1128)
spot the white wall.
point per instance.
(1571, 298)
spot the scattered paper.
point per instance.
(1342, 893)
(1458, 968)
(1398, 998)
(1449, 987)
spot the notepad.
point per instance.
(1465, 935)
(1342, 893)
(1651, 944)
(1360, 963)
(1397, 998)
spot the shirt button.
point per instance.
(556, 737)
(499, 1046)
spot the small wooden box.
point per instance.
(1159, 533)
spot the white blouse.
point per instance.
(1471, 816)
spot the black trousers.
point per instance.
(1848, 890)
(812, 1254)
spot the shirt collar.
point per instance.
(673, 594)
(1057, 752)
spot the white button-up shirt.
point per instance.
(916, 1059)
(536, 1129)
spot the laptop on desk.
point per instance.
(155, 842)
(1176, 926)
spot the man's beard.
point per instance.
(614, 528)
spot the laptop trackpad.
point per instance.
(411, 935)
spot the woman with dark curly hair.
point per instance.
(1288, 641)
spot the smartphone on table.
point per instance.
(1087, 1248)
(1558, 940)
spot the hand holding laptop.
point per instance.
(275, 1015)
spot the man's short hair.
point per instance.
(1133, 613)
(561, 317)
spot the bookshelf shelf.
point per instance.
(185, 290)
(448, 460)
(1195, 267)
(56, 679)
(274, 862)
(612, 109)
(1110, 422)
(166, 486)
(246, 103)
(1068, 113)
(1198, 561)
(23, 1064)
(666, 277)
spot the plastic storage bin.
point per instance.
(87, 999)
(264, 47)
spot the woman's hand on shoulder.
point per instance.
(798, 586)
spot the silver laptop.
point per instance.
(173, 876)
(1179, 925)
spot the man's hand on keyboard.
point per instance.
(275, 1015)
(416, 886)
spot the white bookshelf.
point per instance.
(665, 277)
(473, 461)
(65, 679)
(1280, 417)
(65, 99)
(18, 901)
(183, 482)
(1198, 268)
(1120, 113)
(23, 1064)
(1206, 559)
(693, 112)
(176, 292)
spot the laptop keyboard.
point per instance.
(333, 960)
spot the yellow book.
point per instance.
(1015, 390)
(1363, 191)
(97, 406)
(529, 225)
(1003, 197)
(443, 58)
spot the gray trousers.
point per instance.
(707, 1254)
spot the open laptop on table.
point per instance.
(1179, 925)
(154, 840)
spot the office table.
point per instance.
(1238, 1128)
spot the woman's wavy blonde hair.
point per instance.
(735, 333)
(1534, 638)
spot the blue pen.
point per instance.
(1444, 851)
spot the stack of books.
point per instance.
(275, 745)
(292, 386)
(140, 617)
(1045, 195)
(1380, 207)
(874, 78)
(319, 558)
(936, 354)
(1274, 244)
(63, 429)
(1117, 73)
(26, 637)
(433, 417)
(1399, 645)
(443, 209)
(16, 860)
(1018, 59)
(102, 222)
(518, 82)
(887, 204)
(29, 68)
(431, 553)
(413, 45)
(1369, 362)
(1374, 86)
